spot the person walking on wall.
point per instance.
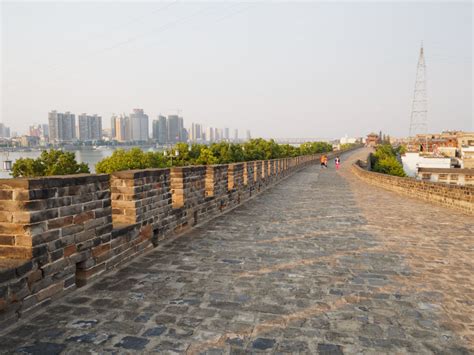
(323, 160)
(338, 162)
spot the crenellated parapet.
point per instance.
(61, 232)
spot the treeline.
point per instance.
(183, 154)
(57, 162)
(385, 161)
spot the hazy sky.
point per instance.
(281, 69)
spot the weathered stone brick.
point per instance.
(83, 275)
(70, 210)
(40, 250)
(7, 194)
(50, 291)
(33, 277)
(101, 249)
(45, 237)
(83, 217)
(7, 274)
(57, 254)
(12, 228)
(54, 267)
(35, 228)
(18, 290)
(69, 250)
(23, 240)
(72, 229)
(6, 216)
(15, 252)
(7, 239)
(45, 215)
(24, 268)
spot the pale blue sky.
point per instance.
(286, 69)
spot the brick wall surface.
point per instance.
(459, 197)
(58, 233)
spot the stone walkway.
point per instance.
(321, 263)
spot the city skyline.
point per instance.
(356, 74)
(62, 127)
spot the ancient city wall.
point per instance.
(459, 197)
(59, 233)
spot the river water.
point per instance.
(89, 156)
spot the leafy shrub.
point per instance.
(135, 158)
(53, 162)
(385, 161)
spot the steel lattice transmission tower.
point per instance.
(419, 110)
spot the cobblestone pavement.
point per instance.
(321, 263)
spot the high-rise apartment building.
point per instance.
(4, 131)
(90, 127)
(160, 130)
(196, 132)
(236, 135)
(139, 125)
(175, 129)
(62, 127)
(155, 129)
(210, 134)
(113, 133)
(45, 130)
(184, 135)
(248, 136)
(122, 128)
(226, 133)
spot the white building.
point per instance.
(447, 176)
(412, 161)
(347, 140)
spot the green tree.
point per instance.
(206, 157)
(52, 162)
(385, 161)
(402, 149)
(135, 158)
